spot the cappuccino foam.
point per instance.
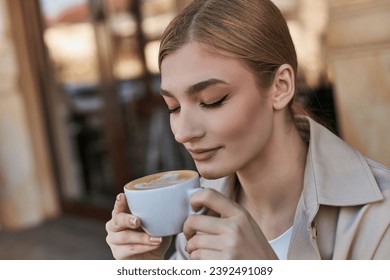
(162, 181)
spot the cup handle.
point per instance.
(190, 210)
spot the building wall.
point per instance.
(348, 43)
(358, 40)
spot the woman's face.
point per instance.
(217, 110)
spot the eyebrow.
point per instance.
(198, 87)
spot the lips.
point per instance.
(203, 154)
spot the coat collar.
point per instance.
(335, 174)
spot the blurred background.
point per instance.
(81, 115)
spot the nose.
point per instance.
(186, 127)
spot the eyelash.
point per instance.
(174, 110)
(213, 105)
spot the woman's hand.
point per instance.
(127, 240)
(233, 235)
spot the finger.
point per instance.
(204, 241)
(120, 204)
(122, 221)
(132, 237)
(201, 223)
(215, 201)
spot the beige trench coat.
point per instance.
(344, 210)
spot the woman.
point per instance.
(278, 185)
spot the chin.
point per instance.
(212, 173)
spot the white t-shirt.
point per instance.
(281, 243)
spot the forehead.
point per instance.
(195, 62)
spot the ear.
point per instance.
(283, 87)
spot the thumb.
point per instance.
(120, 205)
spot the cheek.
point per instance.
(247, 128)
(230, 127)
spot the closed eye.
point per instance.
(216, 104)
(173, 110)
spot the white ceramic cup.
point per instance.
(161, 200)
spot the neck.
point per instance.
(273, 182)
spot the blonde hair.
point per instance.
(254, 31)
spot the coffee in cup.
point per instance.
(161, 200)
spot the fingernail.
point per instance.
(118, 197)
(133, 221)
(155, 239)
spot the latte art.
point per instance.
(162, 181)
